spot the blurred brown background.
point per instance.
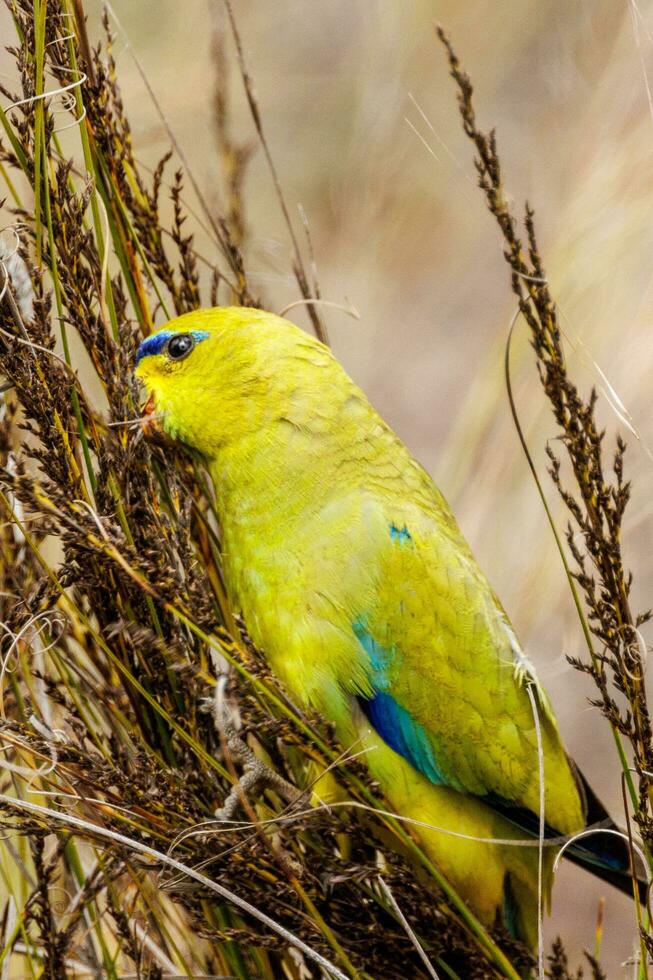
(401, 232)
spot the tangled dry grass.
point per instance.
(116, 628)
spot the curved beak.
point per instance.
(150, 427)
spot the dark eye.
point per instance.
(180, 346)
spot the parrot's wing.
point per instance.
(448, 682)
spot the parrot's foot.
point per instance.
(256, 776)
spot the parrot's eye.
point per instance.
(180, 346)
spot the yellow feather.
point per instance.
(355, 580)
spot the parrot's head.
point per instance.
(214, 376)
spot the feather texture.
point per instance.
(354, 578)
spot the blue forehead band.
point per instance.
(157, 341)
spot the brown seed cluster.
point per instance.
(595, 492)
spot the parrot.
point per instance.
(351, 574)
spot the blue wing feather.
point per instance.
(402, 733)
(607, 855)
(391, 720)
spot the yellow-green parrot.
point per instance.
(354, 579)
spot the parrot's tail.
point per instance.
(606, 855)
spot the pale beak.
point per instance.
(150, 427)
